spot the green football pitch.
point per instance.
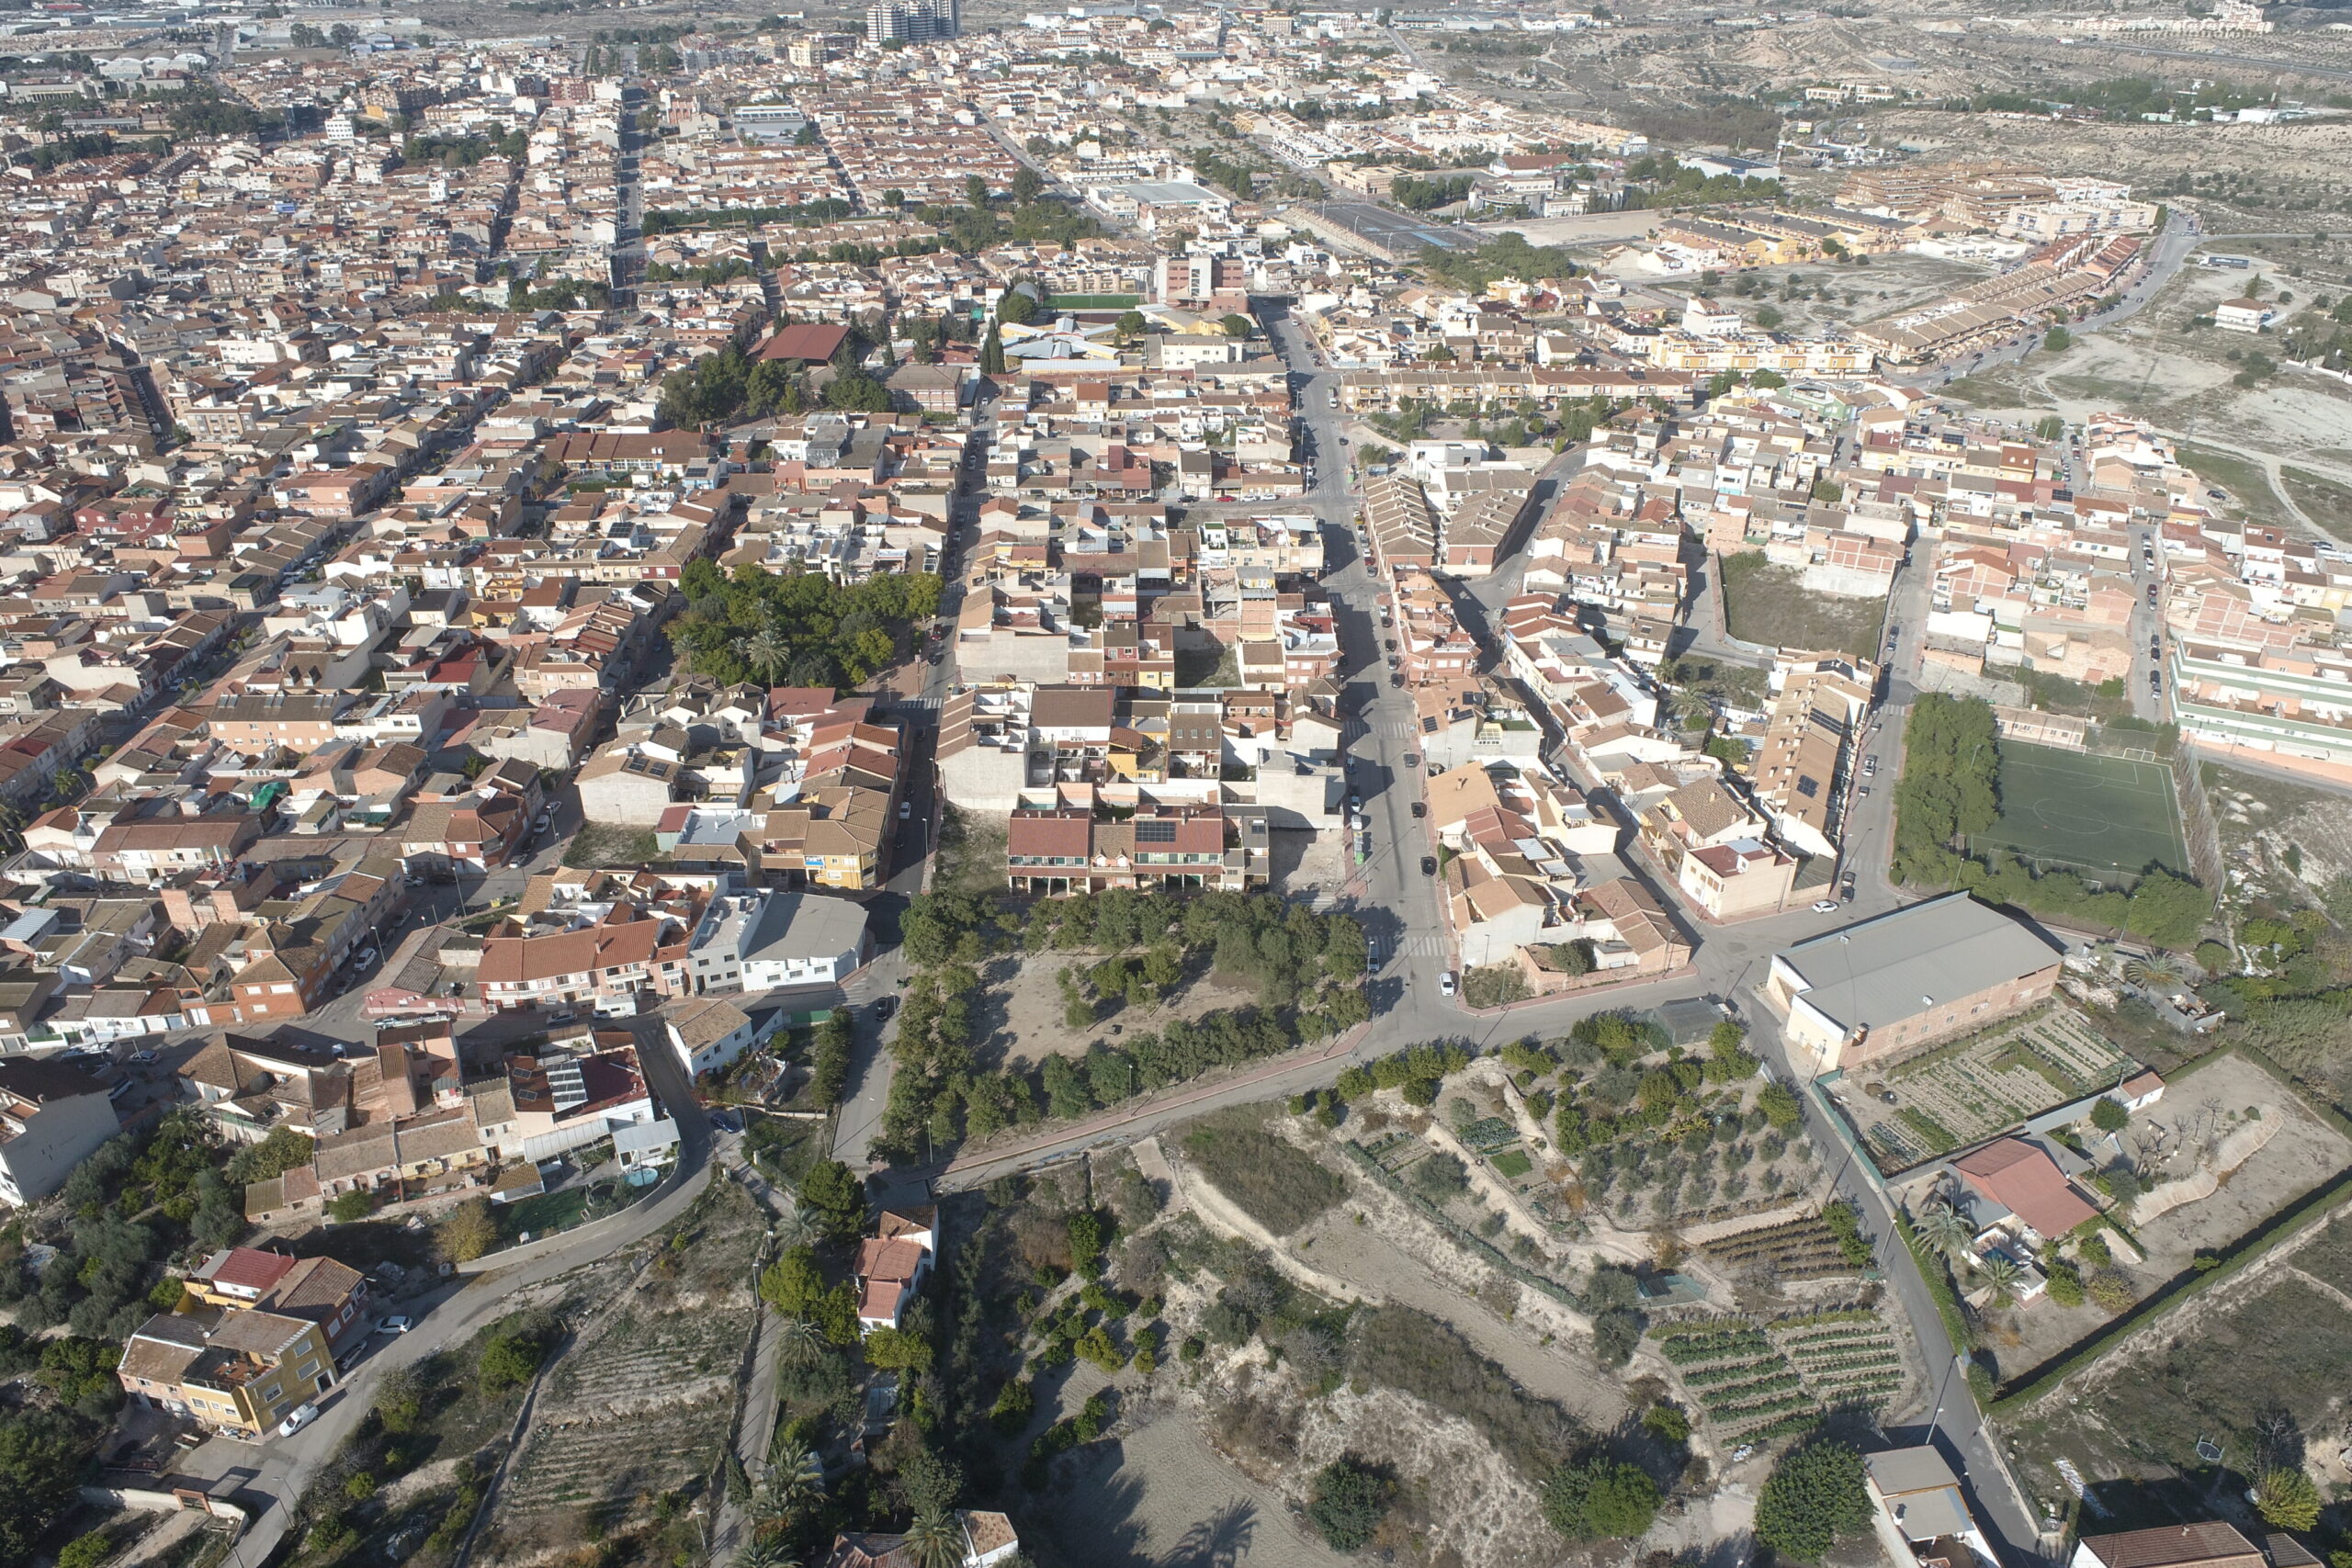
(2101, 815)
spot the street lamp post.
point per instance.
(1957, 1361)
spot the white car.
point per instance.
(301, 1417)
(394, 1325)
(1445, 984)
(1824, 905)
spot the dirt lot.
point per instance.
(2195, 1115)
(2260, 818)
(1158, 1494)
(1022, 1015)
(1822, 294)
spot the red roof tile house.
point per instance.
(2210, 1544)
(2022, 1180)
(891, 1264)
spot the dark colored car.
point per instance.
(884, 1008)
(1397, 681)
(1420, 808)
(1428, 866)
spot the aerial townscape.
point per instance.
(919, 784)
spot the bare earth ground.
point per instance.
(2259, 818)
(1158, 1494)
(1023, 1012)
(2275, 1338)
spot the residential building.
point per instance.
(236, 1371)
(51, 1117)
(2207, 1544)
(892, 1264)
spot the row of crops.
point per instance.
(1855, 1361)
(1798, 1249)
(1755, 1382)
(1738, 1380)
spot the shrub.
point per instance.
(85, 1551)
(2109, 1115)
(1667, 1422)
(1600, 1498)
(1814, 1495)
(2112, 1291)
(1348, 1505)
(1400, 1348)
(466, 1232)
(515, 1347)
(1779, 1107)
(1277, 1185)
(1016, 1402)
(2066, 1284)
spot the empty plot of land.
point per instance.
(1770, 604)
(2102, 815)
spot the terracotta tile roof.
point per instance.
(2021, 1178)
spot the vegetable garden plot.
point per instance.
(1738, 1380)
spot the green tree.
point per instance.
(992, 352)
(794, 1284)
(352, 1207)
(897, 1350)
(2287, 1498)
(466, 1232)
(2109, 1115)
(1600, 1498)
(836, 1198)
(2057, 339)
(1815, 1496)
(1348, 1504)
(1015, 307)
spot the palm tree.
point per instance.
(1943, 1229)
(2002, 1278)
(798, 1341)
(793, 1227)
(768, 653)
(795, 1478)
(935, 1540)
(773, 1552)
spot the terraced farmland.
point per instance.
(1845, 1357)
(1739, 1381)
(641, 1404)
(1799, 1249)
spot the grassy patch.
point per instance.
(1769, 604)
(2248, 485)
(1092, 301)
(2325, 501)
(1405, 1351)
(1512, 1163)
(2124, 395)
(601, 844)
(1494, 986)
(1274, 1183)
(1995, 390)
(2056, 693)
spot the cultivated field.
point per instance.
(1963, 1092)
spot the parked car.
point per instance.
(303, 1416)
(1824, 905)
(1445, 984)
(1869, 767)
(884, 1006)
(1847, 891)
(1428, 866)
(142, 1057)
(2155, 648)
(1397, 681)
(906, 810)
(1420, 808)
(1355, 801)
(395, 1325)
